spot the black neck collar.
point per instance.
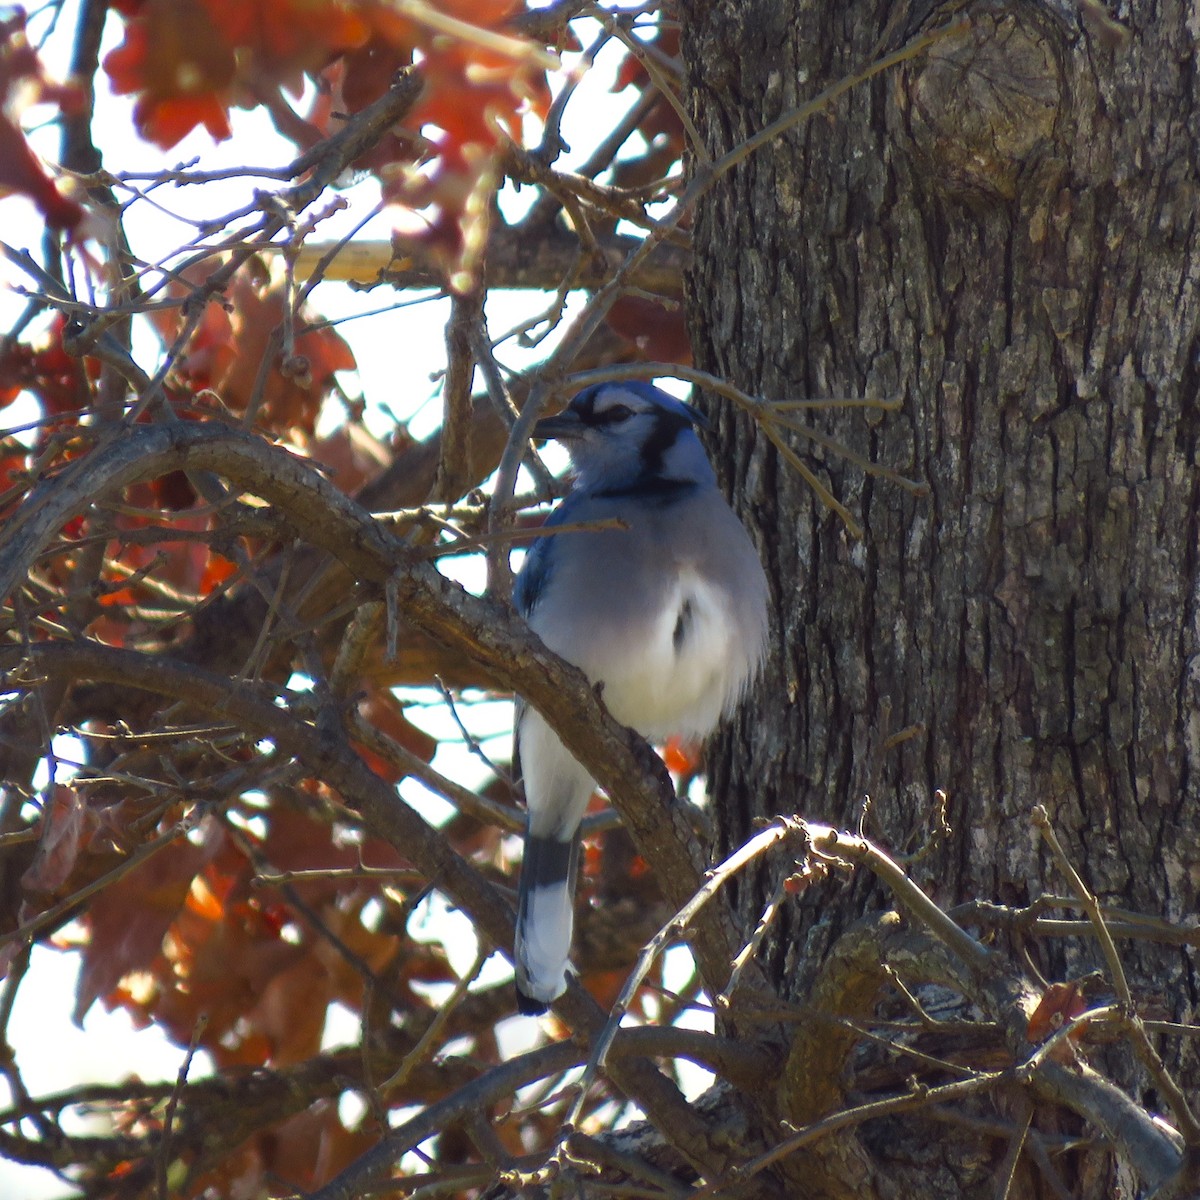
(649, 487)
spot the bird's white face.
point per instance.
(616, 434)
(613, 428)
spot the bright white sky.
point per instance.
(398, 355)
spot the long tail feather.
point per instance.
(545, 920)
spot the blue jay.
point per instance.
(667, 616)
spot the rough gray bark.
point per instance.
(1003, 233)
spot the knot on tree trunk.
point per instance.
(981, 105)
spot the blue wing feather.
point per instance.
(539, 562)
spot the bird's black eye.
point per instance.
(614, 415)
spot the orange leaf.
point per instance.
(66, 825)
(310, 1148)
(22, 174)
(681, 757)
(173, 59)
(190, 61)
(659, 331)
(386, 713)
(631, 72)
(59, 380)
(22, 79)
(473, 96)
(290, 1011)
(605, 986)
(352, 455)
(226, 352)
(128, 919)
(1060, 1003)
(216, 571)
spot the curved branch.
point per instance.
(330, 757)
(502, 1081)
(325, 754)
(933, 948)
(493, 636)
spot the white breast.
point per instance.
(688, 668)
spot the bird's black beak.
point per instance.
(563, 427)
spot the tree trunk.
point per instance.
(1002, 233)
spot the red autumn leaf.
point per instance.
(67, 823)
(1060, 1003)
(289, 1014)
(117, 599)
(190, 567)
(24, 81)
(15, 358)
(382, 710)
(639, 868)
(216, 570)
(296, 840)
(190, 61)
(19, 64)
(631, 73)
(173, 59)
(605, 986)
(226, 955)
(226, 351)
(429, 965)
(474, 97)
(45, 368)
(314, 1146)
(13, 475)
(210, 351)
(352, 82)
(489, 14)
(384, 768)
(367, 71)
(279, 40)
(681, 756)
(302, 1152)
(352, 455)
(22, 174)
(182, 81)
(128, 919)
(662, 120)
(657, 329)
(379, 950)
(218, 956)
(122, 1169)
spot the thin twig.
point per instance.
(482, 808)
(1172, 1093)
(499, 572)
(759, 410)
(751, 948)
(829, 841)
(1008, 1168)
(614, 25)
(48, 919)
(163, 1163)
(781, 829)
(445, 1010)
(920, 1098)
(515, 536)
(469, 738)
